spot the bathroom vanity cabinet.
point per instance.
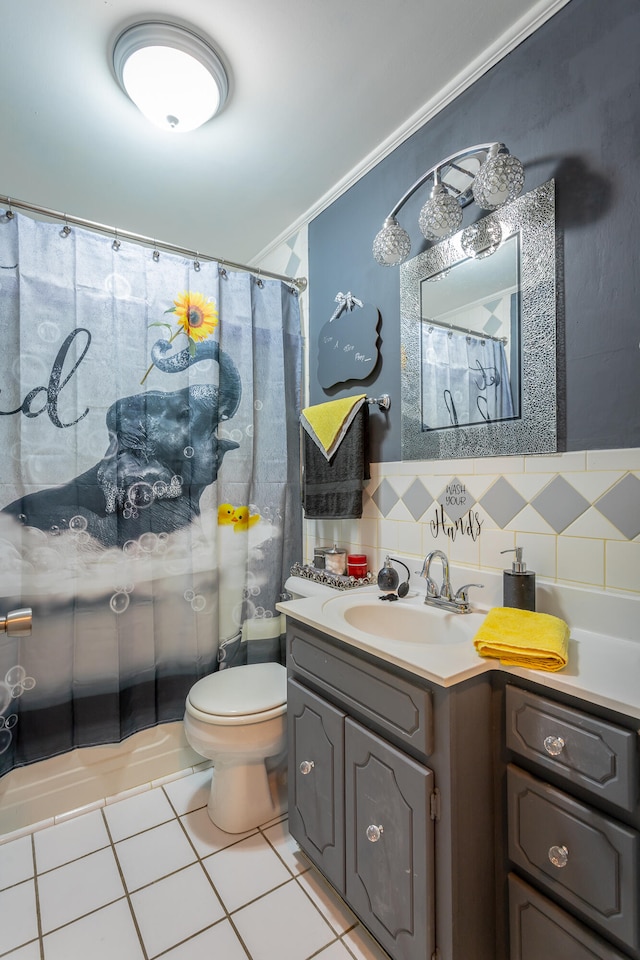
(496, 818)
(572, 785)
(390, 795)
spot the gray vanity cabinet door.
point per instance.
(389, 844)
(316, 780)
(586, 860)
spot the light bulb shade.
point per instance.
(172, 75)
(481, 239)
(499, 180)
(392, 244)
(441, 215)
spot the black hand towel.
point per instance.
(333, 488)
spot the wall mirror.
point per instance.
(478, 323)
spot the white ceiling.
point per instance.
(316, 86)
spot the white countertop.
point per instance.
(601, 669)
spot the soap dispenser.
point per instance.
(519, 584)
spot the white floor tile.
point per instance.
(30, 952)
(154, 854)
(363, 946)
(16, 862)
(205, 836)
(144, 810)
(69, 840)
(18, 923)
(219, 941)
(175, 908)
(69, 892)
(245, 871)
(332, 908)
(286, 847)
(261, 925)
(103, 935)
(337, 951)
(189, 793)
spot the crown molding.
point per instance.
(508, 41)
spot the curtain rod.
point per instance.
(300, 283)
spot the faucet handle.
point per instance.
(462, 595)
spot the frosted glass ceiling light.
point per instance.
(486, 173)
(173, 76)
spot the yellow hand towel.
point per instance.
(521, 638)
(327, 423)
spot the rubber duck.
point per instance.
(243, 519)
(226, 514)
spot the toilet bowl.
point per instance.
(237, 718)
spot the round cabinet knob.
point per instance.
(554, 746)
(559, 856)
(374, 833)
(306, 767)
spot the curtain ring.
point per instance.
(9, 213)
(66, 230)
(116, 243)
(156, 252)
(196, 263)
(223, 273)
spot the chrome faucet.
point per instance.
(443, 595)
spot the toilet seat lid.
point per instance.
(253, 688)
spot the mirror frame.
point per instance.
(535, 430)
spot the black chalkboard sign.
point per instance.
(348, 346)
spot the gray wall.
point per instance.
(567, 103)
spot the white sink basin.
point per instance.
(408, 620)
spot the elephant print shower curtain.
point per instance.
(149, 499)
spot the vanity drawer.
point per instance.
(584, 750)
(540, 930)
(585, 859)
(392, 705)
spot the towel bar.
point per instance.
(384, 402)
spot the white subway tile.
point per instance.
(581, 560)
(410, 538)
(540, 553)
(491, 543)
(593, 524)
(556, 462)
(388, 535)
(623, 566)
(529, 521)
(626, 459)
(499, 465)
(592, 484)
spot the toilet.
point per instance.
(237, 718)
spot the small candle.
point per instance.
(357, 565)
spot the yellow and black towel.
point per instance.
(334, 458)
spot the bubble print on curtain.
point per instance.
(149, 493)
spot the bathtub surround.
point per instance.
(150, 497)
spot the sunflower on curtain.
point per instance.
(149, 508)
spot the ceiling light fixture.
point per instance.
(174, 77)
(486, 173)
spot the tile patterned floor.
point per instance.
(150, 876)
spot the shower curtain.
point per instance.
(149, 500)
(465, 379)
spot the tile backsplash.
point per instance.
(576, 515)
